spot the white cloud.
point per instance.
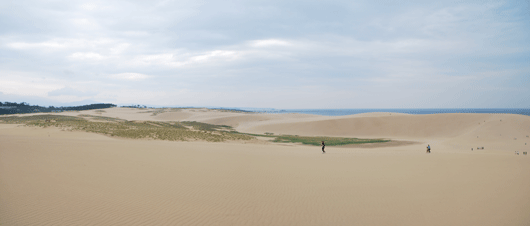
(26, 89)
(72, 44)
(130, 76)
(24, 84)
(187, 59)
(269, 42)
(89, 6)
(26, 45)
(69, 91)
(85, 23)
(214, 55)
(119, 48)
(87, 56)
(166, 59)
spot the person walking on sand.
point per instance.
(323, 146)
(428, 148)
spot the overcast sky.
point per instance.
(267, 54)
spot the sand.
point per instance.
(54, 177)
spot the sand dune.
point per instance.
(54, 177)
(399, 126)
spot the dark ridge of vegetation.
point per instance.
(329, 141)
(19, 108)
(231, 110)
(217, 109)
(134, 106)
(156, 111)
(172, 131)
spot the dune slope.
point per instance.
(70, 178)
(49, 176)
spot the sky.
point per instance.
(267, 54)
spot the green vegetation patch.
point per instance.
(329, 141)
(173, 131)
(206, 126)
(38, 118)
(103, 118)
(316, 141)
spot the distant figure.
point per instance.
(323, 146)
(428, 148)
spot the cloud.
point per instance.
(269, 42)
(87, 56)
(26, 88)
(212, 56)
(189, 59)
(68, 91)
(127, 51)
(90, 6)
(47, 45)
(130, 76)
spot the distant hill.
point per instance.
(18, 108)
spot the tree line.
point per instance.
(23, 107)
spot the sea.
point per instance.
(416, 111)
